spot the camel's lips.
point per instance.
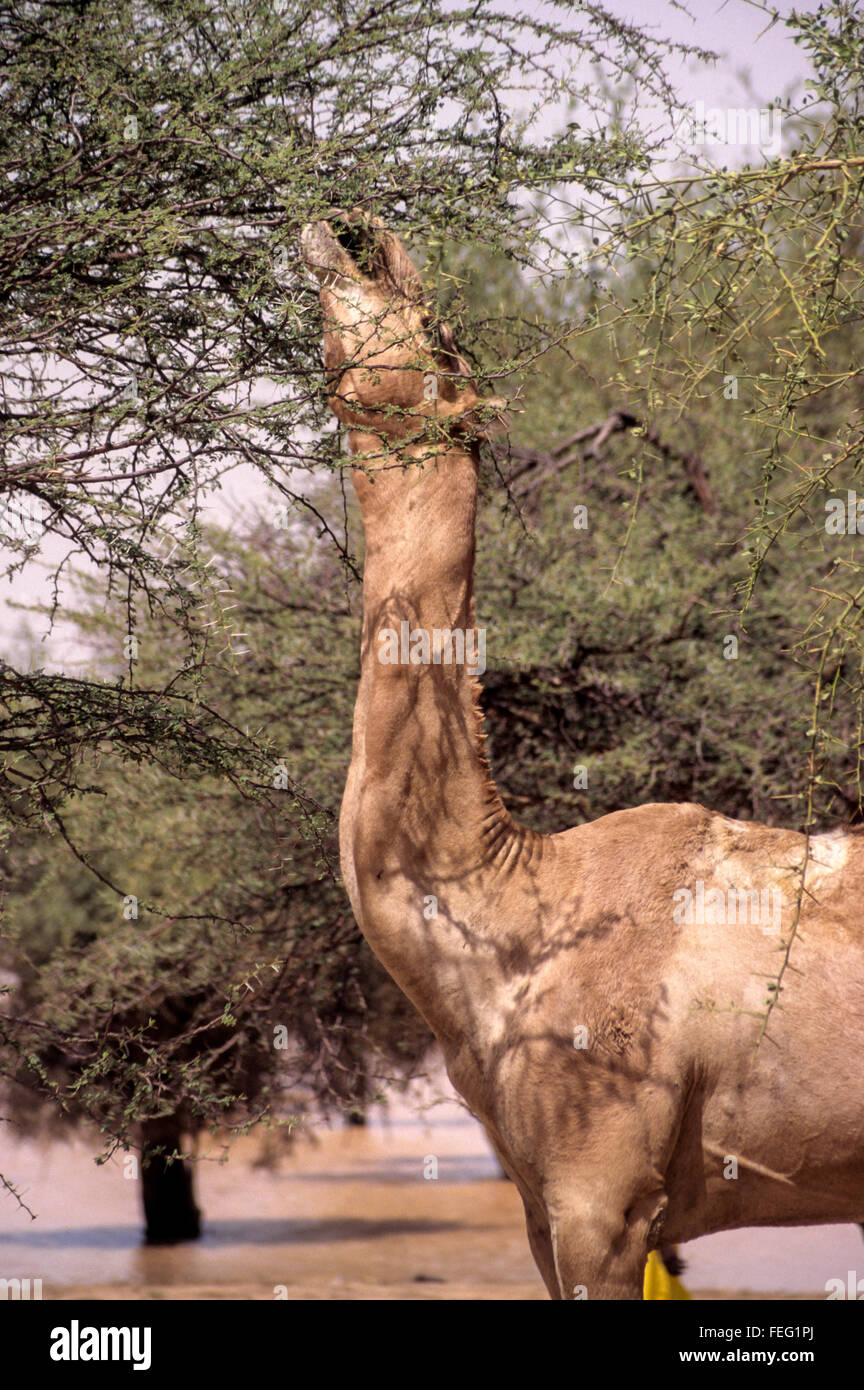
(320, 250)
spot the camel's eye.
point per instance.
(433, 329)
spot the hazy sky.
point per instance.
(733, 29)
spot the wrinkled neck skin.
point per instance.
(423, 832)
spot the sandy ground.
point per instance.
(351, 1214)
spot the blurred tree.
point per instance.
(192, 962)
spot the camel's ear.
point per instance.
(393, 263)
(487, 419)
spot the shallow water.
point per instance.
(347, 1213)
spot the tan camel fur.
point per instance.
(597, 994)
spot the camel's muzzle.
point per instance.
(343, 243)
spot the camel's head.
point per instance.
(391, 371)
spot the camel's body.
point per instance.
(514, 945)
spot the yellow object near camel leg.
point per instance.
(659, 1283)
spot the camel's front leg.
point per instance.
(606, 1206)
(598, 1253)
(540, 1240)
(602, 1231)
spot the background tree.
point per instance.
(193, 964)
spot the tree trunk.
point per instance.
(170, 1213)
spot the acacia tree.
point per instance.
(159, 159)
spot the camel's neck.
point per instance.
(417, 727)
(421, 817)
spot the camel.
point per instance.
(600, 995)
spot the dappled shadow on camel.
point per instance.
(605, 1034)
